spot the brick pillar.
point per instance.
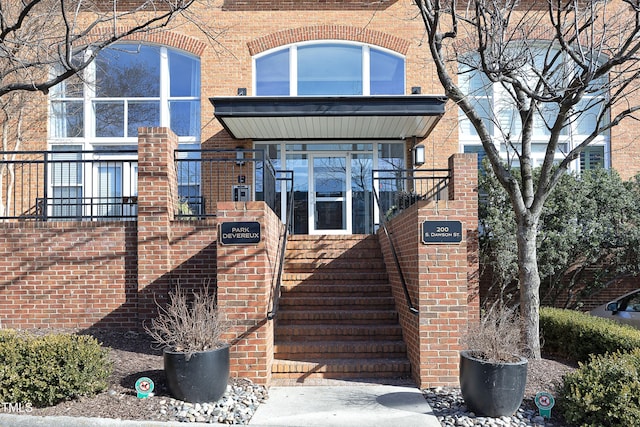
(448, 295)
(244, 278)
(464, 187)
(157, 197)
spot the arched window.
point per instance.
(126, 87)
(329, 68)
(497, 108)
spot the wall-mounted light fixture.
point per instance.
(242, 91)
(239, 156)
(418, 155)
(416, 90)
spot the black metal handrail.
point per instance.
(282, 246)
(408, 188)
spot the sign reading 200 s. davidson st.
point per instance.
(441, 232)
(239, 233)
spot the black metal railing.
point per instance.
(68, 185)
(208, 176)
(103, 184)
(287, 178)
(396, 190)
(401, 188)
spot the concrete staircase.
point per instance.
(337, 317)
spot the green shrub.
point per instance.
(45, 370)
(603, 392)
(577, 336)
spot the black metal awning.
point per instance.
(333, 117)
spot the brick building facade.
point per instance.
(236, 88)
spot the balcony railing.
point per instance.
(400, 188)
(209, 176)
(68, 185)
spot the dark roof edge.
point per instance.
(286, 106)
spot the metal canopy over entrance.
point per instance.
(334, 117)
(332, 144)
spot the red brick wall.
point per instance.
(245, 276)
(441, 278)
(68, 275)
(112, 274)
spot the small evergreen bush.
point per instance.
(45, 370)
(603, 392)
(577, 336)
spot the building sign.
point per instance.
(239, 233)
(441, 232)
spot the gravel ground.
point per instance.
(134, 356)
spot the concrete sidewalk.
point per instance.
(342, 406)
(298, 406)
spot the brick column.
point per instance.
(244, 278)
(157, 196)
(464, 187)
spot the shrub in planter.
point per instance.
(196, 359)
(45, 370)
(605, 391)
(493, 372)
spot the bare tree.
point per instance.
(560, 64)
(44, 42)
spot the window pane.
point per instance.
(69, 88)
(387, 73)
(66, 202)
(142, 114)
(272, 74)
(391, 156)
(128, 71)
(588, 109)
(184, 73)
(329, 69)
(109, 200)
(185, 117)
(66, 168)
(592, 158)
(68, 119)
(109, 119)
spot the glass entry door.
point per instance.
(329, 194)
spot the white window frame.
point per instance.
(293, 63)
(89, 141)
(566, 143)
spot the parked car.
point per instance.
(625, 309)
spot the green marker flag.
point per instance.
(144, 387)
(544, 402)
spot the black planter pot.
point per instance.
(492, 389)
(200, 378)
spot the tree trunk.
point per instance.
(529, 283)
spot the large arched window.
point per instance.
(94, 121)
(126, 87)
(498, 111)
(329, 68)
